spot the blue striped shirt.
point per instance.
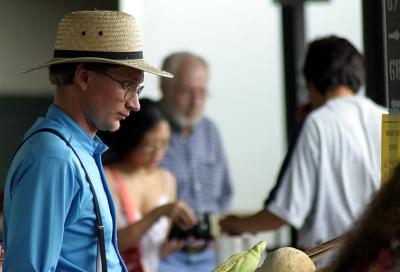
(49, 218)
(199, 165)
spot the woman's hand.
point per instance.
(169, 247)
(181, 214)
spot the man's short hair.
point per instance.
(172, 62)
(63, 74)
(332, 62)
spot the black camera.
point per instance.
(201, 231)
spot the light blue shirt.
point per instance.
(49, 217)
(200, 167)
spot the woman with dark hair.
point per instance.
(144, 194)
(373, 243)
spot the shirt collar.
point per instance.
(93, 146)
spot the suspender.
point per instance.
(99, 221)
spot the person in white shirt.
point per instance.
(335, 165)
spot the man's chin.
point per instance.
(184, 121)
(115, 127)
(111, 127)
(192, 121)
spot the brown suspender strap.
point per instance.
(99, 221)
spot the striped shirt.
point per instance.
(199, 165)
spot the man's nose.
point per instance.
(133, 104)
(197, 101)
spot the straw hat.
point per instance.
(100, 36)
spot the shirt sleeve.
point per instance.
(226, 196)
(40, 200)
(226, 191)
(293, 198)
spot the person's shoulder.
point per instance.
(43, 152)
(316, 116)
(373, 105)
(167, 175)
(207, 122)
(109, 176)
(169, 182)
(48, 143)
(315, 122)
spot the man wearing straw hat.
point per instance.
(58, 211)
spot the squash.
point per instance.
(287, 259)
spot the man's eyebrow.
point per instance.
(134, 80)
(138, 79)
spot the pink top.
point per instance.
(149, 250)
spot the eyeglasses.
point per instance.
(131, 89)
(152, 147)
(190, 94)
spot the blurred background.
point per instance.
(254, 49)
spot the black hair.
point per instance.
(132, 131)
(332, 62)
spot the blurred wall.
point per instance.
(340, 17)
(242, 42)
(27, 31)
(240, 39)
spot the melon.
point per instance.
(287, 259)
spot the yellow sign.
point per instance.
(390, 154)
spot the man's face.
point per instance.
(188, 93)
(105, 99)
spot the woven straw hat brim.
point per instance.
(138, 64)
(101, 36)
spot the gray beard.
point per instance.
(177, 120)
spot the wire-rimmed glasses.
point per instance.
(131, 89)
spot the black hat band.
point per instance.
(69, 54)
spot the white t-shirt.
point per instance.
(334, 169)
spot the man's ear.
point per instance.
(81, 77)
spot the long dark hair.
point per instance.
(130, 135)
(378, 229)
